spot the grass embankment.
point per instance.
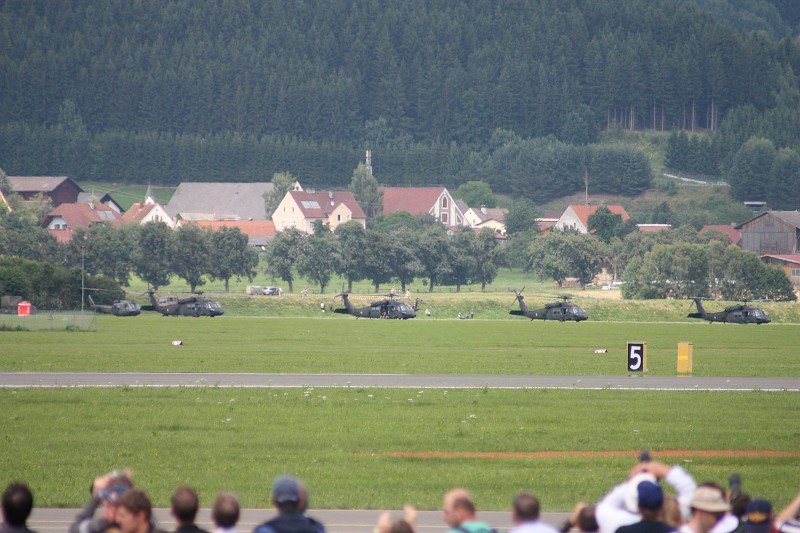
(335, 439)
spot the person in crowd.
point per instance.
(650, 499)
(17, 507)
(134, 513)
(407, 524)
(225, 513)
(620, 506)
(526, 515)
(458, 511)
(291, 500)
(788, 520)
(708, 507)
(106, 491)
(671, 512)
(758, 517)
(184, 507)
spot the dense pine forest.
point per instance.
(513, 93)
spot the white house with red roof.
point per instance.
(434, 201)
(299, 209)
(63, 219)
(142, 213)
(577, 216)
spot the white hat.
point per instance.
(632, 490)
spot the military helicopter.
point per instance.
(118, 308)
(387, 308)
(561, 311)
(733, 314)
(189, 306)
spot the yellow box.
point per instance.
(685, 357)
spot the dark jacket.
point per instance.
(290, 523)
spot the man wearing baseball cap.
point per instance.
(290, 499)
(620, 506)
(650, 501)
(708, 507)
(758, 517)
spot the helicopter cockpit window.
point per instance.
(405, 308)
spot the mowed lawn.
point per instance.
(423, 346)
(341, 440)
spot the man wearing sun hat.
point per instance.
(708, 507)
(620, 507)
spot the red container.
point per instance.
(24, 309)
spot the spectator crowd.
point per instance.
(639, 504)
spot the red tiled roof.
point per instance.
(137, 212)
(251, 228)
(83, 215)
(789, 258)
(733, 234)
(414, 200)
(583, 212)
(318, 203)
(62, 235)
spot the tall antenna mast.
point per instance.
(369, 162)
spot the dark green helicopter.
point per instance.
(195, 305)
(118, 308)
(733, 314)
(562, 311)
(389, 307)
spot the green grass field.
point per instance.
(238, 439)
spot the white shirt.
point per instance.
(533, 527)
(612, 514)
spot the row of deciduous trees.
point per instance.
(411, 249)
(669, 264)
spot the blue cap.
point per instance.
(759, 516)
(285, 489)
(112, 494)
(650, 495)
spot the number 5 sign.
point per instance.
(637, 357)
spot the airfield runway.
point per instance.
(411, 381)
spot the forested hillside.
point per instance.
(442, 92)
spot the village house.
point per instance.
(299, 209)
(771, 232)
(487, 217)
(577, 216)
(100, 198)
(434, 201)
(219, 201)
(259, 232)
(733, 233)
(58, 189)
(62, 220)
